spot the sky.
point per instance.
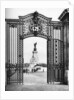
(53, 13)
(41, 48)
(28, 43)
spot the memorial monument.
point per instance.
(34, 59)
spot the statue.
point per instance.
(35, 46)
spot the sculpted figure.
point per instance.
(35, 46)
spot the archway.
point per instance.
(35, 62)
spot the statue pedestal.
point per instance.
(34, 59)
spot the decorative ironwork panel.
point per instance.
(7, 53)
(20, 54)
(44, 28)
(26, 28)
(48, 60)
(34, 26)
(62, 53)
(17, 53)
(52, 31)
(7, 43)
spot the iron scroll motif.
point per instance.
(35, 27)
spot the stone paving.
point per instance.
(36, 82)
(39, 87)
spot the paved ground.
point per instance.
(35, 78)
(36, 82)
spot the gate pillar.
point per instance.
(20, 54)
(7, 57)
(50, 55)
(50, 68)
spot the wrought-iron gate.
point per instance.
(38, 25)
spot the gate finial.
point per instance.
(35, 17)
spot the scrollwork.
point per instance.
(13, 25)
